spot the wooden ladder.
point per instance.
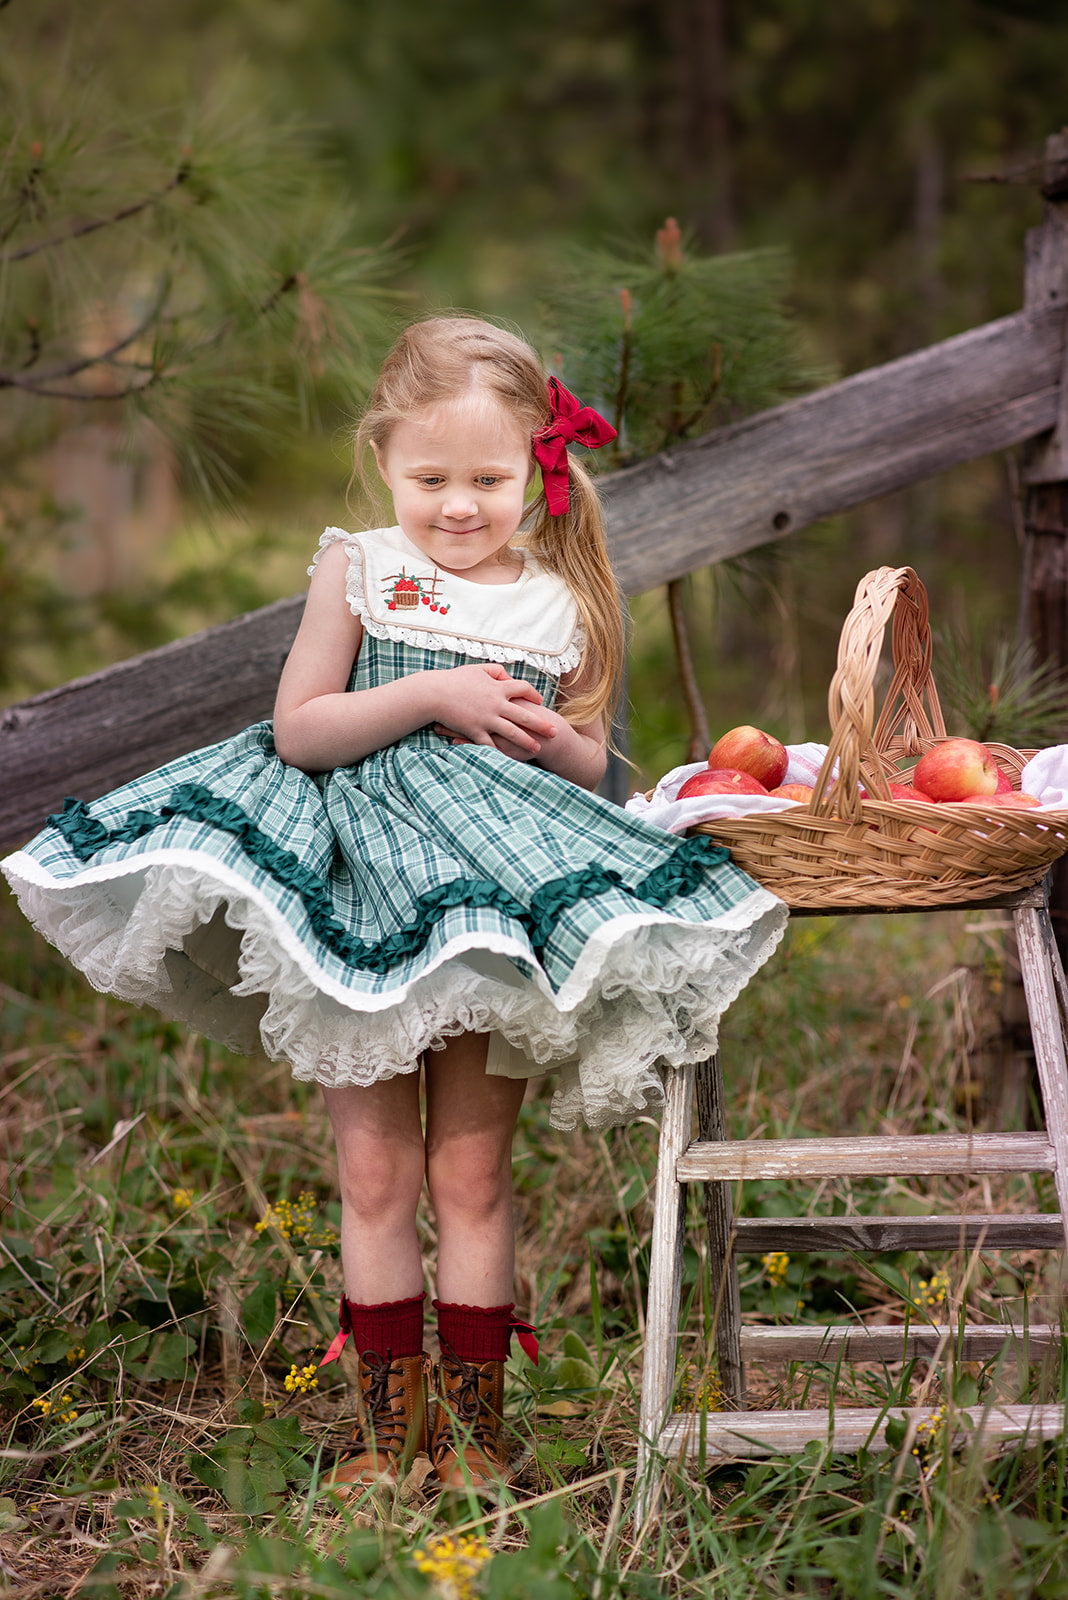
(719, 1162)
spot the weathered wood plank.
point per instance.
(916, 1155)
(715, 1435)
(719, 1224)
(975, 1342)
(665, 1267)
(739, 487)
(757, 1236)
(1046, 284)
(1038, 961)
(765, 478)
(99, 731)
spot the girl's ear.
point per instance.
(381, 465)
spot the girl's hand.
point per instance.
(481, 704)
(577, 754)
(505, 746)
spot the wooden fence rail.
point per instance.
(742, 486)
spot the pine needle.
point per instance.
(1001, 692)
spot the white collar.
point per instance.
(399, 594)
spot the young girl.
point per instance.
(408, 871)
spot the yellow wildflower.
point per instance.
(453, 1564)
(296, 1219)
(926, 1441)
(299, 1380)
(775, 1265)
(932, 1291)
(183, 1199)
(700, 1391)
(47, 1407)
(77, 1353)
(929, 1426)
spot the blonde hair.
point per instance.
(437, 360)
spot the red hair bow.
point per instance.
(571, 421)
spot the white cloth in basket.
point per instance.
(1045, 776)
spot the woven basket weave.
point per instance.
(842, 850)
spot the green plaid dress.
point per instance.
(349, 921)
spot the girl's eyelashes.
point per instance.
(484, 480)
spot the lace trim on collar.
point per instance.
(555, 663)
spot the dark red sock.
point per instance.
(393, 1330)
(475, 1333)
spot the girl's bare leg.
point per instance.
(381, 1160)
(470, 1120)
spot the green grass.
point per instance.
(168, 1260)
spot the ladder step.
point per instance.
(757, 1236)
(713, 1160)
(975, 1342)
(740, 1435)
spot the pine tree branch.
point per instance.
(26, 193)
(700, 739)
(80, 229)
(87, 395)
(290, 282)
(35, 345)
(36, 383)
(39, 383)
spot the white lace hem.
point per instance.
(647, 993)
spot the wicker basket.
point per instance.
(842, 850)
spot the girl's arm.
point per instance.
(579, 754)
(319, 726)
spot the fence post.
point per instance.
(1044, 470)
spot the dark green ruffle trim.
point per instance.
(679, 874)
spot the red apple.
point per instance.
(751, 750)
(1012, 801)
(905, 791)
(720, 780)
(793, 791)
(956, 769)
(1004, 786)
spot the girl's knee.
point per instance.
(381, 1179)
(474, 1181)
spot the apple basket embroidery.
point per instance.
(403, 591)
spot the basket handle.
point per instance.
(911, 716)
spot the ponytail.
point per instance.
(574, 547)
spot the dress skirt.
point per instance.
(346, 922)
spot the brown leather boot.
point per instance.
(465, 1442)
(392, 1427)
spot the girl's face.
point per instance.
(458, 473)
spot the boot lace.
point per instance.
(466, 1400)
(386, 1425)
